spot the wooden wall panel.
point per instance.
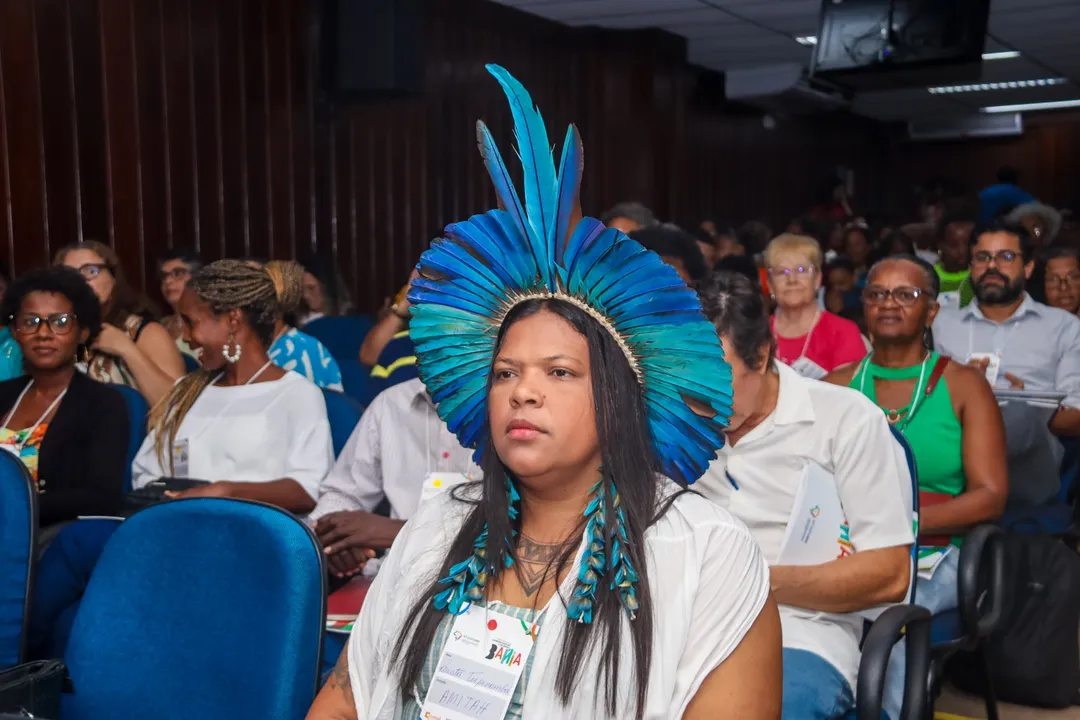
(159, 123)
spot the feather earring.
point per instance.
(605, 557)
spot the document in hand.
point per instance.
(817, 530)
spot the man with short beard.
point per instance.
(1036, 347)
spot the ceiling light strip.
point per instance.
(982, 87)
(1054, 105)
(808, 40)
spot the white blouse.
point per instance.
(250, 433)
(708, 583)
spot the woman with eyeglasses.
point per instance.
(69, 431)
(947, 413)
(131, 349)
(813, 341)
(174, 270)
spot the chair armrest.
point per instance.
(913, 621)
(981, 580)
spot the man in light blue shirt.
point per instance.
(1026, 346)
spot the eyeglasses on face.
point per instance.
(180, 273)
(1064, 281)
(905, 295)
(28, 323)
(1001, 257)
(799, 271)
(92, 270)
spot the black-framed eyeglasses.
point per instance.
(180, 273)
(905, 295)
(1064, 281)
(28, 323)
(799, 271)
(1001, 257)
(91, 270)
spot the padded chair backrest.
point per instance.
(343, 413)
(201, 608)
(342, 335)
(138, 410)
(18, 540)
(1070, 470)
(910, 457)
(356, 380)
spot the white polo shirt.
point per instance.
(845, 433)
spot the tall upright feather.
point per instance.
(538, 168)
(573, 160)
(500, 177)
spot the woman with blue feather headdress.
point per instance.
(579, 578)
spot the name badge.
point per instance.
(436, 483)
(808, 368)
(480, 666)
(992, 366)
(180, 458)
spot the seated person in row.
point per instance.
(174, 269)
(950, 419)
(387, 349)
(1021, 345)
(294, 349)
(397, 453)
(780, 424)
(70, 431)
(254, 430)
(131, 348)
(1061, 275)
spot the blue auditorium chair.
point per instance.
(190, 363)
(356, 379)
(342, 334)
(201, 608)
(18, 540)
(343, 413)
(1057, 517)
(138, 410)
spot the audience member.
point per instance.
(1061, 278)
(387, 349)
(1041, 221)
(131, 349)
(780, 426)
(626, 217)
(70, 431)
(954, 251)
(175, 268)
(1005, 194)
(857, 248)
(249, 427)
(896, 242)
(677, 248)
(294, 349)
(396, 453)
(949, 417)
(324, 292)
(834, 203)
(706, 243)
(561, 418)
(742, 265)
(1021, 344)
(841, 296)
(814, 342)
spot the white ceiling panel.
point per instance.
(734, 34)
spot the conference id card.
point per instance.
(180, 467)
(993, 365)
(436, 483)
(480, 666)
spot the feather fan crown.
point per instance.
(484, 266)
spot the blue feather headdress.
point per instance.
(486, 265)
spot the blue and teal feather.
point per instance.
(605, 557)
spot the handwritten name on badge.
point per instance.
(480, 667)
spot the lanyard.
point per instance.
(7, 418)
(806, 342)
(231, 400)
(916, 397)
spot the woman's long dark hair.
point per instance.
(629, 465)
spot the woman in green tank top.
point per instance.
(948, 415)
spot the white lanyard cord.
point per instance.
(11, 414)
(809, 334)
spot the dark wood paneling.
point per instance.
(157, 123)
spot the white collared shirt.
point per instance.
(708, 584)
(398, 442)
(846, 434)
(1038, 344)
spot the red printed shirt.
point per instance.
(834, 341)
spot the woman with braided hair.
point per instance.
(576, 580)
(253, 429)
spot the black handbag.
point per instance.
(34, 688)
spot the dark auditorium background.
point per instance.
(151, 123)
